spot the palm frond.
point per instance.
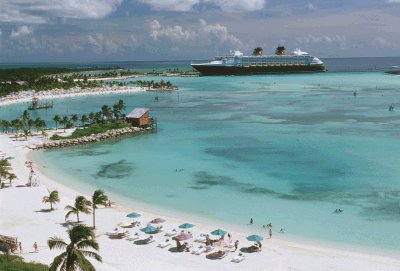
(56, 242)
(60, 259)
(88, 244)
(92, 254)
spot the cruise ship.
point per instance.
(236, 63)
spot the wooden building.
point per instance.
(140, 117)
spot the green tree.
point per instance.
(25, 117)
(82, 243)
(74, 118)
(84, 119)
(52, 198)
(64, 121)
(98, 198)
(57, 120)
(106, 111)
(81, 205)
(11, 177)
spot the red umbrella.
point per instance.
(157, 221)
(183, 236)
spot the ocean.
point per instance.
(285, 149)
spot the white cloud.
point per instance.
(187, 5)
(21, 31)
(310, 6)
(39, 11)
(204, 32)
(171, 32)
(393, 1)
(339, 40)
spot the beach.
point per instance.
(21, 217)
(26, 96)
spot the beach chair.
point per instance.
(209, 248)
(164, 244)
(201, 238)
(238, 258)
(199, 250)
(171, 233)
(218, 254)
(148, 240)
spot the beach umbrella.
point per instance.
(157, 221)
(186, 226)
(9, 158)
(254, 238)
(183, 236)
(149, 229)
(133, 215)
(218, 232)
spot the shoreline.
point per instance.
(279, 254)
(26, 96)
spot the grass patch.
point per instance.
(95, 128)
(16, 263)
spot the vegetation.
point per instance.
(81, 205)
(16, 263)
(52, 198)
(98, 198)
(108, 118)
(155, 85)
(82, 243)
(24, 124)
(5, 172)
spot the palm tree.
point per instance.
(106, 111)
(74, 118)
(26, 134)
(64, 121)
(57, 120)
(52, 198)
(11, 177)
(98, 198)
(82, 243)
(81, 205)
(84, 119)
(258, 51)
(92, 117)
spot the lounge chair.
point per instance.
(199, 250)
(136, 236)
(148, 240)
(171, 233)
(164, 244)
(209, 248)
(238, 258)
(201, 238)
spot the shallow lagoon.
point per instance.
(286, 149)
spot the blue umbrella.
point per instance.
(9, 158)
(218, 232)
(149, 229)
(133, 215)
(254, 238)
(186, 226)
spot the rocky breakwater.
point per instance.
(92, 138)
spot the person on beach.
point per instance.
(236, 244)
(20, 247)
(270, 233)
(35, 247)
(229, 236)
(251, 221)
(259, 245)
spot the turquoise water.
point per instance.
(286, 149)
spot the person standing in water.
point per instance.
(251, 221)
(270, 233)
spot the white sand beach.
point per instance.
(26, 96)
(21, 216)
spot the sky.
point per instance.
(129, 30)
